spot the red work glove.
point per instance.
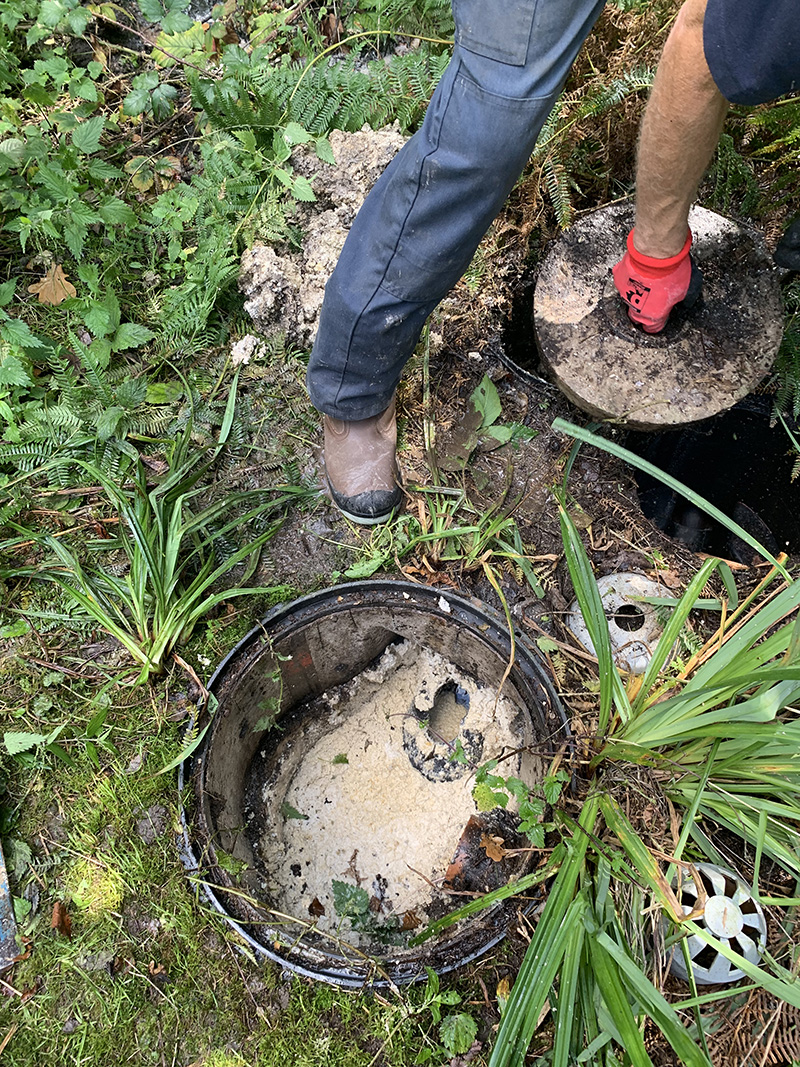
(652, 287)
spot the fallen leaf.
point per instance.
(135, 764)
(410, 921)
(158, 974)
(54, 287)
(332, 29)
(61, 920)
(154, 464)
(26, 950)
(668, 577)
(493, 847)
(316, 909)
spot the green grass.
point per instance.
(185, 988)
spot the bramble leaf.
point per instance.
(86, 137)
(130, 335)
(457, 1033)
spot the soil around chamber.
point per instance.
(357, 808)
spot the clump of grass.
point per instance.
(96, 888)
(172, 577)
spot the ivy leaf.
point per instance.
(486, 401)
(457, 1033)
(86, 137)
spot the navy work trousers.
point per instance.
(420, 225)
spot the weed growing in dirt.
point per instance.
(171, 576)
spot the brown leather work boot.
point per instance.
(361, 466)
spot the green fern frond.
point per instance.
(557, 183)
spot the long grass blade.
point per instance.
(580, 434)
(591, 605)
(657, 1007)
(616, 1001)
(543, 956)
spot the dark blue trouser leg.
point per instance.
(420, 225)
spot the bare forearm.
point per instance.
(680, 131)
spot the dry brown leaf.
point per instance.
(410, 921)
(316, 908)
(54, 287)
(61, 920)
(332, 29)
(493, 847)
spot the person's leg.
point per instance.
(718, 51)
(679, 135)
(420, 225)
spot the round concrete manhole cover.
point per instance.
(703, 362)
